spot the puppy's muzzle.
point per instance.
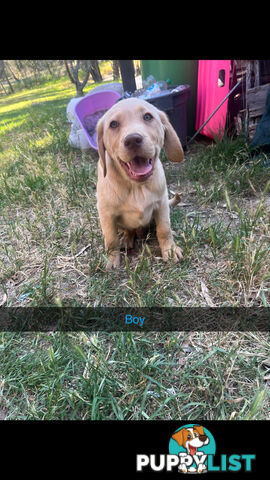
(140, 165)
(133, 141)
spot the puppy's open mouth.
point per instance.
(192, 450)
(139, 168)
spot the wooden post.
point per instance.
(253, 74)
(128, 75)
(257, 73)
(248, 76)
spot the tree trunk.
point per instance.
(21, 68)
(73, 73)
(128, 75)
(69, 72)
(49, 67)
(95, 71)
(3, 87)
(58, 67)
(6, 77)
(116, 72)
(86, 78)
(11, 71)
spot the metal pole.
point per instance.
(209, 118)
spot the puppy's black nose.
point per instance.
(133, 140)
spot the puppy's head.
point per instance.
(191, 438)
(133, 132)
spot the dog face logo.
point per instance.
(191, 438)
(192, 443)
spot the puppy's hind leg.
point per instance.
(175, 200)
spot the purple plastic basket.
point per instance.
(91, 108)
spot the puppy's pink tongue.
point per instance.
(140, 165)
(192, 450)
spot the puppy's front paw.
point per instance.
(113, 261)
(173, 251)
(183, 468)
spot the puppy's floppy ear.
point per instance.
(101, 146)
(199, 429)
(179, 437)
(172, 144)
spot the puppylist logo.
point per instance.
(192, 449)
(192, 444)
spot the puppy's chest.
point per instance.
(137, 211)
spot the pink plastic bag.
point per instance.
(213, 86)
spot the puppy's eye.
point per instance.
(114, 124)
(147, 117)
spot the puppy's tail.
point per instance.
(175, 200)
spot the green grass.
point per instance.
(52, 252)
(229, 165)
(126, 376)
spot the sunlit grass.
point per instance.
(17, 110)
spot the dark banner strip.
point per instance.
(134, 319)
(139, 449)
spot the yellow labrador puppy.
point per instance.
(131, 188)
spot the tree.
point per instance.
(73, 70)
(115, 68)
(128, 75)
(4, 75)
(20, 66)
(3, 87)
(47, 62)
(8, 66)
(95, 71)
